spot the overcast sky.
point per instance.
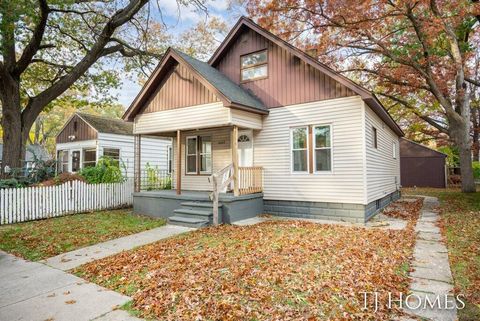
(178, 19)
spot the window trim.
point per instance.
(187, 154)
(374, 137)
(292, 171)
(200, 172)
(169, 159)
(197, 156)
(94, 162)
(314, 149)
(242, 81)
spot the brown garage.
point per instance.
(421, 166)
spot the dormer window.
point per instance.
(254, 66)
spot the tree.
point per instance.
(64, 43)
(202, 40)
(418, 51)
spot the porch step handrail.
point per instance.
(220, 180)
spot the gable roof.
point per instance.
(231, 94)
(107, 125)
(369, 98)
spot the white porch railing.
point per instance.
(221, 181)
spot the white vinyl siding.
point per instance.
(245, 119)
(153, 150)
(195, 117)
(383, 170)
(345, 182)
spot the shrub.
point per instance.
(62, 178)
(107, 170)
(476, 169)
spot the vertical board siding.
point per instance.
(290, 80)
(382, 168)
(345, 184)
(83, 132)
(34, 203)
(179, 89)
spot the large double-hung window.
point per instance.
(311, 148)
(198, 155)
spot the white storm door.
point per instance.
(245, 148)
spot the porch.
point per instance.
(212, 178)
(197, 205)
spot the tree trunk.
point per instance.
(460, 134)
(476, 133)
(14, 132)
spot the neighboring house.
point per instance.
(314, 142)
(33, 152)
(85, 138)
(422, 166)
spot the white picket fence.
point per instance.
(34, 203)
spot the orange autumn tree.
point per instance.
(416, 54)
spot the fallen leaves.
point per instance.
(70, 302)
(46, 238)
(278, 270)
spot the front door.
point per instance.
(245, 148)
(75, 161)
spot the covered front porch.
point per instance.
(212, 174)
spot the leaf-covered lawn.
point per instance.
(42, 239)
(460, 214)
(276, 270)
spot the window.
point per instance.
(394, 150)
(205, 155)
(75, 161)
(112, 153)
(75, 126)
(89, 157)
(375, 139)
(62, 158)
(198, 155)
(254, 66)
(191, 155)
(323, 148)
(299, 137)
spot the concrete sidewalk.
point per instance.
(431, 277)
(70, 260)
(33, 291)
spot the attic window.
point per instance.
(75, 126)
(254, 66)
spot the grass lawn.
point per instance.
(275, 270)
(460, 214)
(42, 239)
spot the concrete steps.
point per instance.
(194, 214)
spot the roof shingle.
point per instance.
(107, 125)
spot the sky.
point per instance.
(178, 19)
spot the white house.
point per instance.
(297, 138)
(85, 138)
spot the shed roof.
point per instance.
(410, 148)
(107, 125)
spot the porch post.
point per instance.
(137, 163)
(235, 160)
(179, 163)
